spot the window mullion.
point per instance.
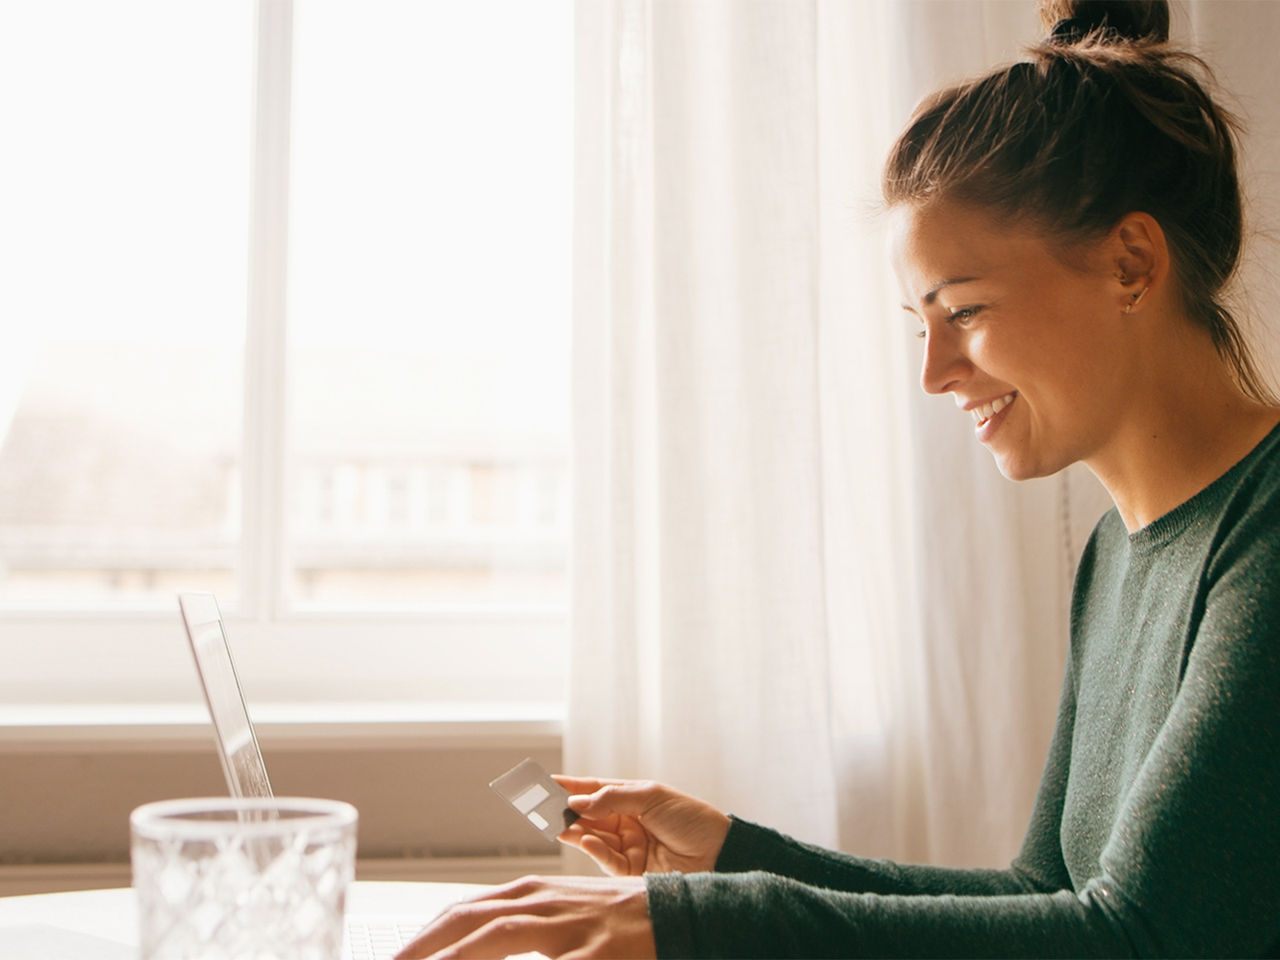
(265, 394)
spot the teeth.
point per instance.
(988, 410)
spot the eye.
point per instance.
(962, 316)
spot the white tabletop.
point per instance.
(103, 924)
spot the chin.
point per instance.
(1017, 469)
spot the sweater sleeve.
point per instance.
(750, 847)
(1191, 866)
(764, 915)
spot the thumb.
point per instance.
(634, 797)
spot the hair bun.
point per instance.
(1070, 21)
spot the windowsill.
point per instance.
(292, 726)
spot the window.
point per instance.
(124, 237)
(429, 303)
(293, 289)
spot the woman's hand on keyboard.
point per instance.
(633, 827)
(576, 917)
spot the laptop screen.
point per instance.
(242, 762)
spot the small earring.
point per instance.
(1119, 275)
(1135, 300)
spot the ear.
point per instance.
(1140, 257)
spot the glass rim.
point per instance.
(188, 817)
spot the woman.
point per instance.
(1062, 232)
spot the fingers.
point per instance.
(604, 847)
(612, 860)
(633, 845)
(460, 926)
(617, 797)
(575, 834)
(582, 784)
(608, 830)
(623, 854)
(563, 916)
(498, 937)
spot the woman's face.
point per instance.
(1032, 348)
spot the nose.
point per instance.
(944, 365)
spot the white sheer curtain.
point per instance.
(802, 590)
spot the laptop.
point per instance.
(367, 937)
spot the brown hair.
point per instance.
(1102, 119)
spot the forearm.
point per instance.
(762, 915)
(750, 847)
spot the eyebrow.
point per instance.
(933, 292)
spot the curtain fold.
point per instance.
(801, 590)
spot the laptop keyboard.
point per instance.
(379, 939)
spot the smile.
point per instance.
(986, 411)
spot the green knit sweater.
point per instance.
(1156, 829)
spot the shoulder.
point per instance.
(1248, 520)
(1240, 586)
(1259, 470)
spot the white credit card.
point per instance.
(542, 802)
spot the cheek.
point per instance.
(1045, 355)
(1008, 354)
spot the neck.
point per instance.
(1189, 425)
